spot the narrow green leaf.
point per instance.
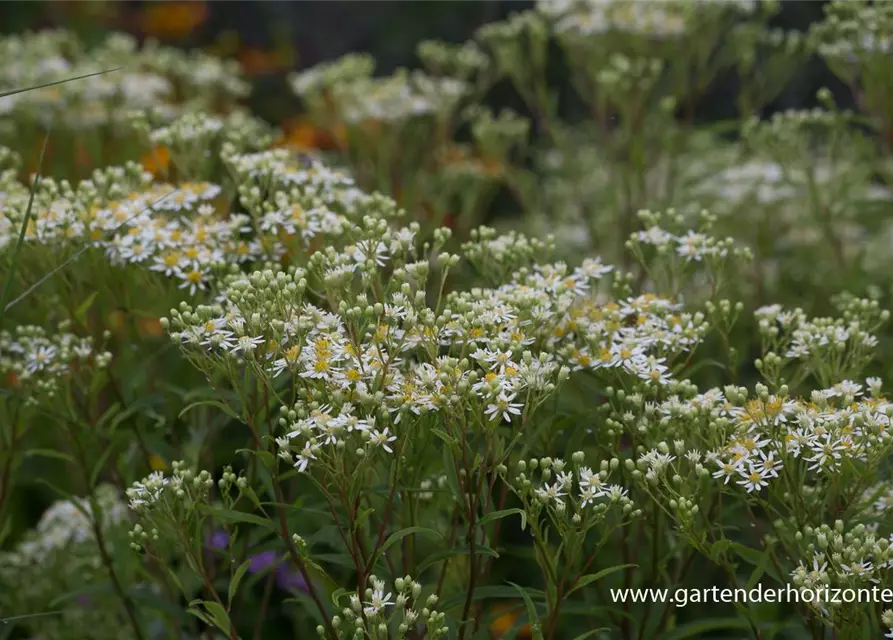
(100, 464)
(450, 470)
(337, 595)
(27, 616)
(493, 592)
(216, 614)
(80, 313)
(109, 415)
(49, 453)
(498, 515)
(173, 575)
(397, 536)
(214, 403)
(532, 615)
(718, 548)
(443, 435)
(237, 516)
(62, 494)
(698, 627)
(362, 516)
(587, 634)
(595, 577)
(445, 555)
(5, 530)
(234, 583)
(755, 558)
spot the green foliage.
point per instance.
(269, 398)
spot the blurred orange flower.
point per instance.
(11, 380)
(157, 463)
(372, 126)
(256, 62)
(301, 134)
(491, 166)
(149, 327)
(156, 161)
(115, 321)
(452, 154)
(84, 159)
(172, 19)
(505, 622)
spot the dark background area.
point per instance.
(273, 38)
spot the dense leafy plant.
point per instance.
(276, 393)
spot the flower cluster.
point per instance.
(160, 492)
(841, 557)
(34, 360)
(375, 613)
(61, 555)
(163, 80)
(574, 491)
(657, 20)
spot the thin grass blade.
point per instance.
(13, 258)
(55, 82)
(80, 252)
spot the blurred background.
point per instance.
(272, 38)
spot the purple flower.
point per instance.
(218, 540)
(289, 579)
(261, 561)
(84, 600)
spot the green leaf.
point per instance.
(447, 438)
(110, 414)
(587, 634)
(173, 575)
(214, 403)
(267, 458)
(757, 559)
(362, 516)
(248, 491)
(234, 583)
(337, 595)
(718, 548)
(27, 616)
(100, 464)
(397, 536)
(698, 627)
(225, 515)
(445, 555)
(80, 313)
(450, 470)
(5, 530)
(498, 515)
(49, 453)
(215, 615)
(532, 615)
(594, 577)
(490, 593)
(63, 494)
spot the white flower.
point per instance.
(754, 479)
(377, 602)
(551, 493)
(302, 460)
(247, 344)
(381, 439)
(504, 405)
